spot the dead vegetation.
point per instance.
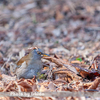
(68, 30)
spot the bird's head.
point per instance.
(38, 53)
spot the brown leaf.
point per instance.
(43, 89)
(75, 61)
(26, 86)
(61, 63)
(59, 16)
(95, 84)
(66, 75)
(5, 98)
(86, 73)
(51, 86)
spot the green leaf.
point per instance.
(34, 19)
(79, 59)
(84, 62)
(57, 42)
(41, 76)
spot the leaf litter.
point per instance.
(67, 30)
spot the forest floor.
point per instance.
(68, 30)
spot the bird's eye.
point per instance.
(39, 53)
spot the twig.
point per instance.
(7, 61)
(91, 63)
(9, 85)
(19, 90)
(61, 63)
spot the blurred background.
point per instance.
(64, 27)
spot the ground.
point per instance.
(68, 30)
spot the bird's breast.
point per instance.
(35, 65)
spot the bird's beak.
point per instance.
(44, 55)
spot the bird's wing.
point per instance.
(26, 58)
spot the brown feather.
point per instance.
(25, 58)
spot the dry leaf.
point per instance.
(43, 89)
(95, 84)
(51, 86)
(59, 16)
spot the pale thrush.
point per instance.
(31, 64)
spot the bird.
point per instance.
(30, 64)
